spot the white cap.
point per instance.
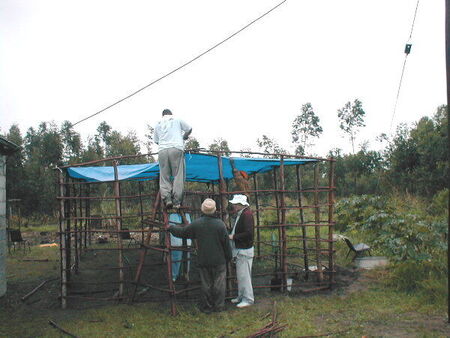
(239, 199)
(208, 206)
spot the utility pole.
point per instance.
(447, 62)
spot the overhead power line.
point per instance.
(407, 51)
(183, 65)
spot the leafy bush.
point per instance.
(396, 226)
(404, 229)
(429, 278)
(439, 204)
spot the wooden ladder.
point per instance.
(152, 222)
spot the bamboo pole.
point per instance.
(317, 220)
(119, 228)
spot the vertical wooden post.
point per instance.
(146, 243)
(302, 218)
(83, 221)
(62, 241)
(118, 227)
(447, 63)
(68, 234)
(169, 265)
(317, 221)
(141, 206)
(223, 212)
(277, 204)
(330, 220)
(258, 235)
(222, 190)
(75, 228)
(88, 216)
(284, 252)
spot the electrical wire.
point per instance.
(403, 69)
(183, 65)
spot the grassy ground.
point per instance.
(365, 308)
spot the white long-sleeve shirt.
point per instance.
(169, 132)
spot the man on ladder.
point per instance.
(170, 134)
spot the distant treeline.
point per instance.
(415, 160)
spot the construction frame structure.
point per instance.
(292, 199)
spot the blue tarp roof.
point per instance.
(199, 168)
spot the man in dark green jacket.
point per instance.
(213, 251)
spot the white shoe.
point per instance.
(236, 300)
(244, 303)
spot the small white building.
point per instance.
(6, 148)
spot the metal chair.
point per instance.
(358, 249)
(125, 235)
(15, 237)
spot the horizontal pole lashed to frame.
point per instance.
(200, 151)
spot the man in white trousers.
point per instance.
(170, 134)
(242, 243)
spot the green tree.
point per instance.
(305, 127)
(351, 118)
(93, 150)
(71, 143)
(103, 135)
(269, 146)
(359, 173)
(15, 187)
(192, 143)
(245, 151)
(220, 145)
(120, 145)
(43, 152)
(417, 157)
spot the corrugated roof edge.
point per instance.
(7, 147)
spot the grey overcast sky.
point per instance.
(64, 60)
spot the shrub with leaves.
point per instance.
(404, 229)
(399, 229)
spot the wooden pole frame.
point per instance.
(119, 228)
(317, 222)
(284, 250)
(62, 241)
(73, 209)
(301, 216)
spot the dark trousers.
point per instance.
(213, 287)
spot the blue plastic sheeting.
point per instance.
(105, 174)
(199, 168)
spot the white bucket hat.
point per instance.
(239, 199)
(208, 206)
